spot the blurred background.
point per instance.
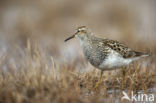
(47, 23)
(37, 66)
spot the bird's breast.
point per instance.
(92, 54)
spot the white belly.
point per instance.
(114, 60)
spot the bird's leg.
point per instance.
(123, 76)
(123, 71)
(99, 80)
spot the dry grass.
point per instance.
(33, 80)
(37, 67)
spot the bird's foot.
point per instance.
(97, 85)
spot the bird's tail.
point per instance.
(141, 54)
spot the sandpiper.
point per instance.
(105, 54)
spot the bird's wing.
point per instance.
(122, 49)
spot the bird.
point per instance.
(103, 53)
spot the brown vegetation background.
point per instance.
(36, 66)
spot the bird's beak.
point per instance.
(70, 37)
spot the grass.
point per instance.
(34, 79)
(37, 70)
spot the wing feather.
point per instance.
(122, 49)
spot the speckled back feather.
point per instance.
(122, 49)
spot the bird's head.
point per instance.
(80, 33)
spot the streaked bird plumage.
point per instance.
(105, 54)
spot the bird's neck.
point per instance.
(89, 36)
(86, 39)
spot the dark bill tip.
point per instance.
(69, 38)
